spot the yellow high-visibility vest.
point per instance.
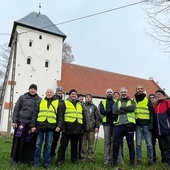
(47, 113)
(72, 113)
(130, 116)
(142, 110)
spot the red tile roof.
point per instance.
(94, 81)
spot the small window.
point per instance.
(48, 47)
(47, 64)
(30, 44)
(28, 60)
(40, 37)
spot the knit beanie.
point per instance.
(109, 90)
(160, 91)
(59, 88)
(33, 86)
(72, 90)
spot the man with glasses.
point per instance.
(144, 124)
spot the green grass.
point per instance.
(5, 164)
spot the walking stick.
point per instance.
(96, 142)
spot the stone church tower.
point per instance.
(36, 58)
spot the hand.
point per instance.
(33, 129)
(14, 125)
(96, 130)
(57, 129)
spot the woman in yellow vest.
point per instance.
(73, 126)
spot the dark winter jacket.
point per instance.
(72, 127)
(25, 107)
(162, 117)
(107, 111)
(144, 122)
(45, 126)
(91, 114)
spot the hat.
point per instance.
(160, 91)
(59, 88)
(152, 95)
(72, 90)
(33, 86)
(109, 90)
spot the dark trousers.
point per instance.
(65, 138)
(119, 132)
(56, 137)
(165, 148)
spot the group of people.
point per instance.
(148, 116)
(74, 120)
(37, 121)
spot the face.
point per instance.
(80, 99)
(116, 96)
(109, 94)
(160, 96)
(123, 93)
(32, 91)
(49, 93)
(88, 98)
(73, 96)
(153, 99)
(59, 93)
(140, 89)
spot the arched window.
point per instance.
(30, 43)
(28, 60)
(48, 47)
(40, 37)
(47, 64)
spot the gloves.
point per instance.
(150, 127)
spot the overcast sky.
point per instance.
(114, 41)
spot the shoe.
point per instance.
(150, 162)
(59, 164)
(131, 167)
(138, 162)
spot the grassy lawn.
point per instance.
(5, 148)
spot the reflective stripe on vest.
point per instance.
(130, 115)
(72, 113)
(142, 110)
(47, 113)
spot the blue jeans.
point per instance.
(47, 148)
(108, 140)
(143, 132)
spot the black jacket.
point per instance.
(24, 108)
(46, 125)
(72, 127)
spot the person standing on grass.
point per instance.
(144, 124)
(92, 120)
(105, 108)
(56, 135)
(73, 127)
(24, 141)
(46, 119)
(124, 125)
(162, 122)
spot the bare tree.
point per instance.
(67, 53)
(158, 19)
(4, 54)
